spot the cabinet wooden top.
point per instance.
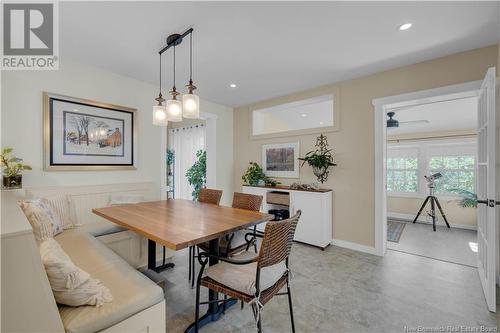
(287, 188)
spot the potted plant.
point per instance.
(197, 174)
(170, 160)
(255, 176)
(12, 167)
(467, 198)
(320, 159)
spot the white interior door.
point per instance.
(486, 192)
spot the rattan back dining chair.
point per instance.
(254, 281)
(210, 196)
(236, 242)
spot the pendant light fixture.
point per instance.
(159, 111)
(190, 101)
(175, 109)
(174, 106)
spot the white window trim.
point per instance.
(410, 145)
(423, 164)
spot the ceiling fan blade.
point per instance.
(423, 121)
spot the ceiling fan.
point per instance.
(393, 123)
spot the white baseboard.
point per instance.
(421, 219)
(354, 246)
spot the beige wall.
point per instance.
(353, 179)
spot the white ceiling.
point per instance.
(443, 116)
(271, 49)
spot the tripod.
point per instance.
(434, 202)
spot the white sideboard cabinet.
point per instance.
(315, 224)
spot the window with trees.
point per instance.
(402, 170)
(457, 164)
(408, 163)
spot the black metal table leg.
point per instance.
(215, 309)
(152, 258)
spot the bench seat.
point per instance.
(101, 228)
(132, 291)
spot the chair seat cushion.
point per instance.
(132, 291)
(238, 242)
(242, 277)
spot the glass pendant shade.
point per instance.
(159, 115)
(190, 106)
(174, 110)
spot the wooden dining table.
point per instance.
(177, 224)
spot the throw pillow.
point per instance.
(70, 284)
(43, 220)
(61, 204)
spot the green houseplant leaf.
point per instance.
(197, 174)
(320, 159)
(467, 198)
(255, 174)
(11, 165)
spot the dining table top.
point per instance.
(179, 223)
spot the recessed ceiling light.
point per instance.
(233, 85)
(321, 123)
(303, 115)
(405, 26)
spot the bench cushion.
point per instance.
(132, 291)
(102, 228)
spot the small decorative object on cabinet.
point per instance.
(315, 227)
(255, 176)
(320, 159)
(12, 167)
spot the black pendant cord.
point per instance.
(160, 74)
(191, 58)
(174, 70)
(160, 98)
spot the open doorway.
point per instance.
(431, 179)
(485, 168)
(186, 158)
(189, 162)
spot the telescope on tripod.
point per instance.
(431, 180)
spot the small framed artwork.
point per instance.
(281, 160)
(81, 134)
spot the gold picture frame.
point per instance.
(95, 162)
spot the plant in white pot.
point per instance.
(320, 159)
(12, 167)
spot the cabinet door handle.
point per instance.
(489, 202)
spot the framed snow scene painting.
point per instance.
(87, 135)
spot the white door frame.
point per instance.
(381, 107)
(211, 144)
